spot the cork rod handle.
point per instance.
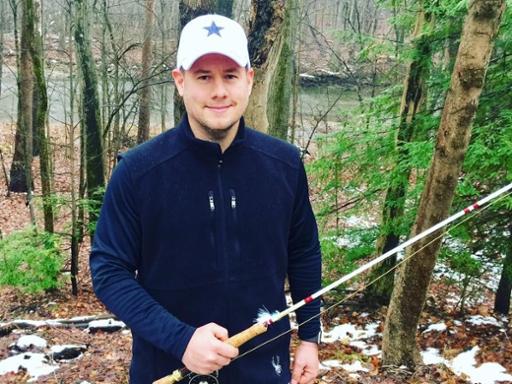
(236, 341)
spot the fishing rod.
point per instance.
(262, 325)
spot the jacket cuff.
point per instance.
(178, 346)
(316, 339)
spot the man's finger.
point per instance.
(219, 332)
(298, 368)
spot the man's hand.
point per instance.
(206, 351)
(305, 363)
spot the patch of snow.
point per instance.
(487, 373)
(306, 76)
(440, 327)
(432, 356)
(349, 332)
(372, 350)
(36, 364)
(356, 366)
(107, 323)
(25, 341)
(368, 350)
(328, 364)
(33, 323)
(481, 320)
(358, 344)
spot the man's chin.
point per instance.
(218, 132)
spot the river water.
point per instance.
(313, 101)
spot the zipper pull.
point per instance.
(211, 201)
(233, 199)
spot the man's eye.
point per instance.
(231, 77)
(203, 77)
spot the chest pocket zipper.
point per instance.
(211, 203)
(236, 240)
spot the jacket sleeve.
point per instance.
(113, 261)
(304, 263)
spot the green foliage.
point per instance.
(341, 254)
(30, 261)
(465, 268)
(93, 206)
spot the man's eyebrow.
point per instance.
(201, 71)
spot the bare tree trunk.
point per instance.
(41, 113)
(502, 299)
(266, 27)
(2, 23)
(23, 182)
(481, 25)
(281, 91)
(188, 10)
(413, 97)
(91, 108)
(147, 59)
(17, 174)
(76, 232)
(225, 8)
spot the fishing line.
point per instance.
(392, 269)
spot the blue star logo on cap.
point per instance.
(214, 29)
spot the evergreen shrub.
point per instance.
(31, 261)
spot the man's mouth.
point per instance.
(219, 108)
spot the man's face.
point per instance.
(216, 92)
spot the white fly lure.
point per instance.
(265, 316)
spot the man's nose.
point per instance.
(219, 88)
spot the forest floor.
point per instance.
(472, 346)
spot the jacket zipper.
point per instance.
(222, 254)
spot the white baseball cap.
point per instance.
(212, 34)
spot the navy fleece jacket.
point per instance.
(189, 235)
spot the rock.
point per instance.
(67, 352)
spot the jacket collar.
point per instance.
(209, 147)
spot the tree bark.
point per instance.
(413, 97)
(480, 26)
(91, 110)
(21, 169)
(2, 21)
(502, 299)
(225, 8)
(281, 91)
(147, 60)
(40, 115)
(17, 174)
(266, 27)
(188, 10)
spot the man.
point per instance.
(201, 225)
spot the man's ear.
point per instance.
(179, 80)
(250, 78)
